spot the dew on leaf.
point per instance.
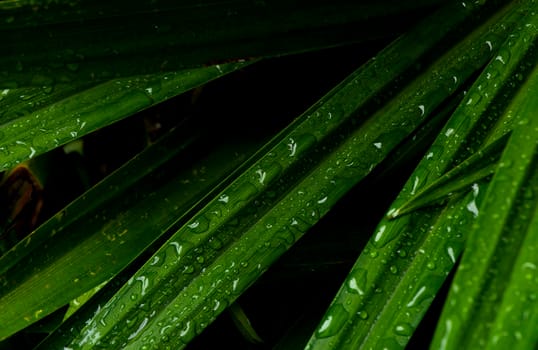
(362, 314)
(403, 329)
(333, 322)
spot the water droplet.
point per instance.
(393, 269)
(451, 254)
(162, 28)
(199, 224)
(419, 297)
(333, 322)
(422, 109)
(144, 283)
(379, 234)
(188, 269)
(363, 314)
(503, 56)
(185, 331)
(403, 329)
(270, 222)
(471, 206)
(357, 281)
(431, 265)
(402, 253)
(177, 248)
(215, 243)
(139, 329)
(415, 185)
(292, 147)
(298, 144)
(47, 89)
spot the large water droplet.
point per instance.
(356, 282)
(418, 297)
(333, 321)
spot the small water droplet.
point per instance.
(199, 225)
(403, 329)
(47, 89)
(363, 314)
(215, 243)
(189, 269)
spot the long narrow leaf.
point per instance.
(57, 122)
(45, 43)
(473, 169)
(418, 250)
(483, 278)
(299, 176)
(109, 226)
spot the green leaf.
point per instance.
(110, 225)
(209, 209)
(407, 259)
(54, 121)
(474, 169)
(297, 178)
(501, 245)
(243, 323)
(69, 41)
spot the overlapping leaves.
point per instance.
(213, 236)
